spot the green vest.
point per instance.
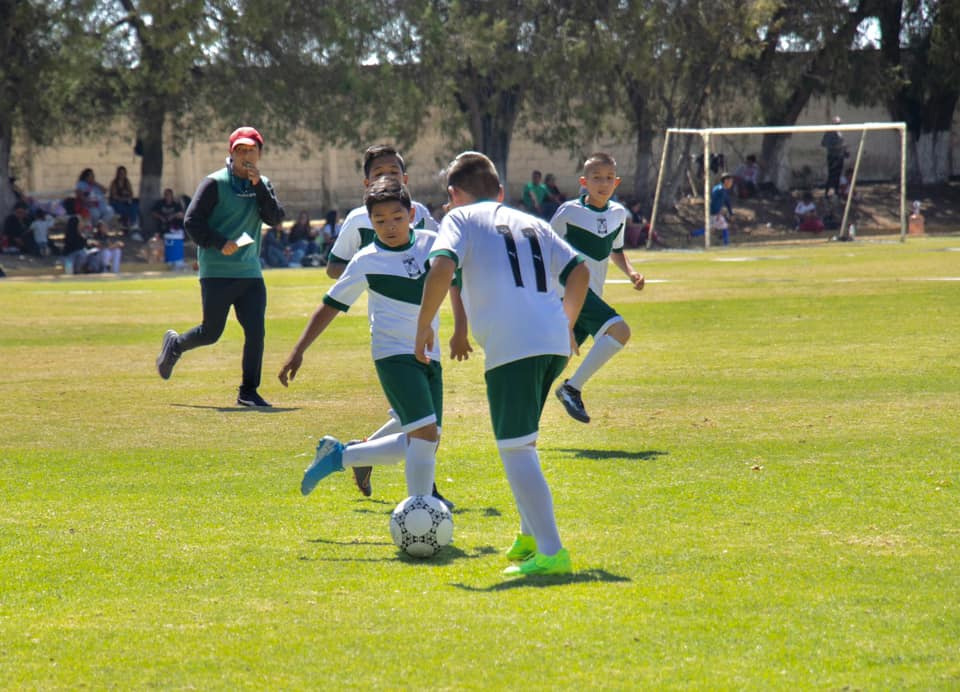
(234, 214)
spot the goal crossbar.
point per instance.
(707, 133)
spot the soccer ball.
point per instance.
(421, 525)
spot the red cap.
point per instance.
(245, 135)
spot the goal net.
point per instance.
(711, 136)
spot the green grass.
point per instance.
(767, 496)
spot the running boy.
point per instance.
(392, 270)
(512, 263)
(594, 225)
(357, 232)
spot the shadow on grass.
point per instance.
(446, 556)
(385, 507)
(582, 577)
(601, 454)
(228, 409)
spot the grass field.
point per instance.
(767, 497)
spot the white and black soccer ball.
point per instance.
(421, 525)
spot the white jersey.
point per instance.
(357, 231)
(595, 233)
(511, 263)
(393, 279)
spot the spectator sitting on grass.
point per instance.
(806, 214)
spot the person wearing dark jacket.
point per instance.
(224, 220)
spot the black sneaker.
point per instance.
(169, 354)
(251, 399)
(436, 494)
(361, 474)
(570, 398)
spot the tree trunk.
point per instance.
(775, 161)
(929, 159)
(642, 189)
(150, 136)
(7, 198)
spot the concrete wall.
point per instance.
(331, 177)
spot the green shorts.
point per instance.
(414, 389)
(594, 317)
(517, 392)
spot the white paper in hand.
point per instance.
(244, 239)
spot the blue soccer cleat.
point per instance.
(329, 458)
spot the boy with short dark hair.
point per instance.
(594, 225)
(511, 266)
(357, 232)
(391, 270)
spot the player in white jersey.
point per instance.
(392, 272)
(357, 232)
(512, 265)
(594, 225)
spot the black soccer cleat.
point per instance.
(436, 494)
(570, 398)
(251, 398)
(169, 354)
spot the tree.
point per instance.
(920, 45)
(801, 50)
(633, 69)
(41, 83)
(477, 61)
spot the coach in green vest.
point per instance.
(224, 220)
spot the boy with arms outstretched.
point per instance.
(511, 264)
(594, 225)
(391, 270)
(356, 232)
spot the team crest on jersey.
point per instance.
(602, 226)
(412, 267)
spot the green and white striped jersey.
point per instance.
(357, 232)
(393, 279)
(594, 233)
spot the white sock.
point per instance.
(603, 349)
(378, 452)
(391, 427)
(532, 495)
(419, 469)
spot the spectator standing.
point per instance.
(836, 153)
(224, 220)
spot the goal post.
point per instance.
(707, 134)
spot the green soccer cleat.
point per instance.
(541, 564)
(523, 548)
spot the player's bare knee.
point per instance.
(620, 331)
